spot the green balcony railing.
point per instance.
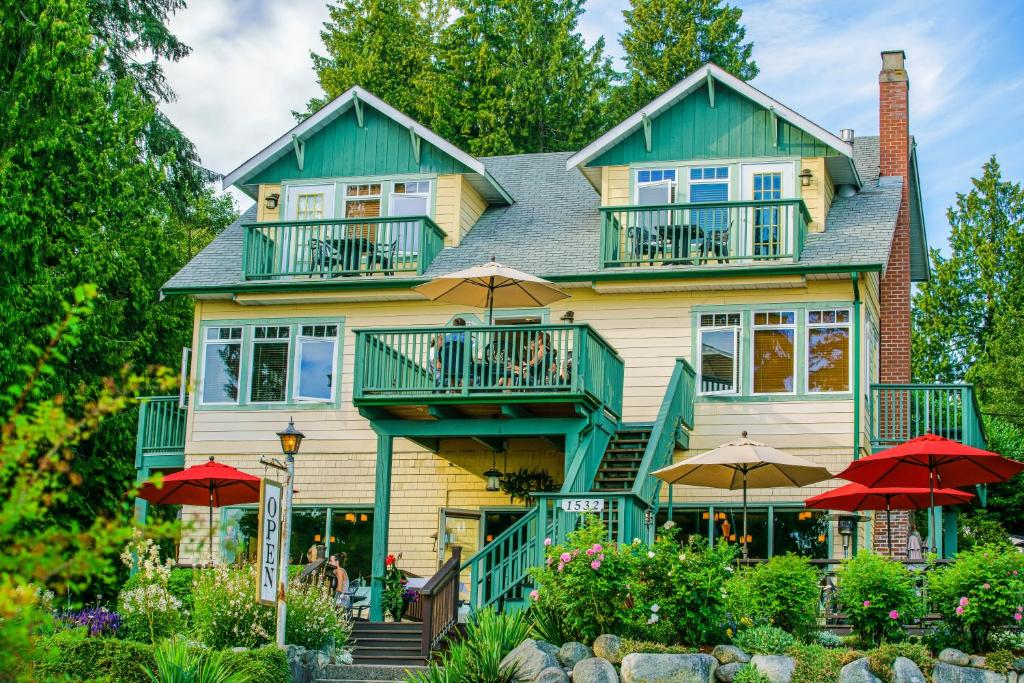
(161, 430)
(514, 363)
(702, 233)
(900, 412)
(339, 247)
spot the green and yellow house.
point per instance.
(731, 267)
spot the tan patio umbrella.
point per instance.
(743, 464)
(491, 285)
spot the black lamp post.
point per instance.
(291, 439)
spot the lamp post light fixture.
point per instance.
(847, 528)
(291, 439)
(493, 477)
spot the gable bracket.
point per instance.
(415, 138)
(647, 132)
(711, 90)
(358, 104)
(775, 127)
(299, 145)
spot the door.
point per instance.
(459, 528)
(303, 245)
(768, 230)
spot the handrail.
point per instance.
(504, 563)
(903, 411)
(439, 603)
(161, 428)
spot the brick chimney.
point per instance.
(894, 161)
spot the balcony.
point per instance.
(546, 370)
(161, 433)
(900, 412)
(700, 234)
(340, 247)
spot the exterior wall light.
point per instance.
(270, 201)
(805, 177)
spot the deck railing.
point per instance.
(705, 232)
(339, 247)
(500, 361)
(161, 429)
(900, 412)
(624, 516)
(503, 565)
(438, 604)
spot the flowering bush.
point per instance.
(878, 595)
(96, 621)
(396, 597)
(313, 620)
(148, 610)
(981, 592)
(225, 612)
(782, 591)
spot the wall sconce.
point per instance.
(805, 177)
(363, 517)
(569, 317)
(316, 538)
(350, 517)
(271, 200)
(706, 515)
(493, 475)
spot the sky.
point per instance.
(250, 68)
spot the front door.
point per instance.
(459, 528)
(300, 246)
(768, 233)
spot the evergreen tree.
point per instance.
(667, 40)
(385, 46)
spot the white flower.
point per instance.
(655, 607)
(650, 553)
(654, 619)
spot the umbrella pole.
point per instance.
(210, 519)
(744, 515)
(931, 510)
(490, 302)
(888, 525)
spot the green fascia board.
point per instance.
(691, 129)
(917, 212)
(344, 149)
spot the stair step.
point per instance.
(386, 641)
(358, 673)
(618, 470)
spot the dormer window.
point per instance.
(410, 198)
(655, 186)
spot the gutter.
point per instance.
(857, 332)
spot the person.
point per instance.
(537, 368)
(450, 359)
(914, 543)
(339, 580)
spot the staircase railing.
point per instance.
(675, 413)
(623, 513)
(438, 604)
(504, 564)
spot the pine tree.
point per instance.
(385, 46)
(666, 40)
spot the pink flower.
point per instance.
(959, 611)
(575, 552)
(534, 595)
(894, 614)
(547, 542)
(561, 566)
(549, 561)
(867, 603)
(963, 602)
(985, 586)
(1018, 616)
(598, 548)
(601, 557)
(590, 552)
(595, 565)
(1015, 572)
(565, 557)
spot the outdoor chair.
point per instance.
(323, 257)
(383, 255)
(646, 242)
(713, 244)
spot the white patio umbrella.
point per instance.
(743, 464)
(491, 285)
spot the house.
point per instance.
(732, 267)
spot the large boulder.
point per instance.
(553, 675)
(654, 668)
(529, 659)
(948, 673)
(905, 671)
(573, 652)
(726, 673)
(858, 671)
(727, 654)
(594, 670)
(955, 657)
(608, 647)
(978, 661)
(778, 668)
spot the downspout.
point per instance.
(855, 279)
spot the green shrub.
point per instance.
(979, 528)
(81, 659)
(1001, 661)
(749, 674)
(764, 640)
(631, 646)
(176, 663)
(881, 658)
(265, 665)
(878, 596)
(815, 663)
(547, 625)
(179, 584)
(782, 591)
(828, 639)
(1008, 640)
(225, 613)
(982, 591)
(314, 622)
(475, 658)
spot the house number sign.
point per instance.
(583, 504)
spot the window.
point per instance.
(222, 352)
(767, 219)
(309, 206)
(828, 350)
(718, 344)
(269, 369)
(655, 186)
(803, 532)
(362, 200)
(773, 356)
(410, 198)
(317, 362)
(710, 184)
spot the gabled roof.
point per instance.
(355, 97)
(695, 81)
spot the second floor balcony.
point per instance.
(900, 412)
(699, 234)
(340, 247)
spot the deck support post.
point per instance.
(381, 513)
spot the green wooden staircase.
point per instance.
(609, 463)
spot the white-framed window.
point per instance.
(828, 350)
(308, 202)
(316, 362)
(221, 362)
(773, 352)
(710, 184)
(309, 206)
(655, 186)
(409, 198)
(718, 343)
(268, 368)
(362, 200)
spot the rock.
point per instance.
(977, 661)
(608, 647)
(858, 671)
(652, 668)
(594, 670)
(905, 671)
(239, 649)
(949, 673)
(727, 672)
(727, 654)
(1011, 677)
(955, 657)
(778, 668)
(1018, 664)
(547, 647)
(573, 652)
(553, 675)
(529, 659)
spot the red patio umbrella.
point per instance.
(934, 462)
(212, 483)
(856, 497)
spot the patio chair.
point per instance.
(323, 257)
(383, 254)
(645, 242)
(713, 244)
(356, 603)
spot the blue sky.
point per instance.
(250, 68)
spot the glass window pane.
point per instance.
(773, 361)
(691, 521)
(238, 535)
(309, 529)
(221, 362)
(352, 534)
(316, 368)
(731, 520)
(654, 194)
(804, 532)
(828, 359)
(269, 375)
(408, 205)
(718, 361)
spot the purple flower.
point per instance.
(595, 565)
(565, 557)
(894, 614)
(98, 621)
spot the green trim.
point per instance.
(381, 525)
(857, 332)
